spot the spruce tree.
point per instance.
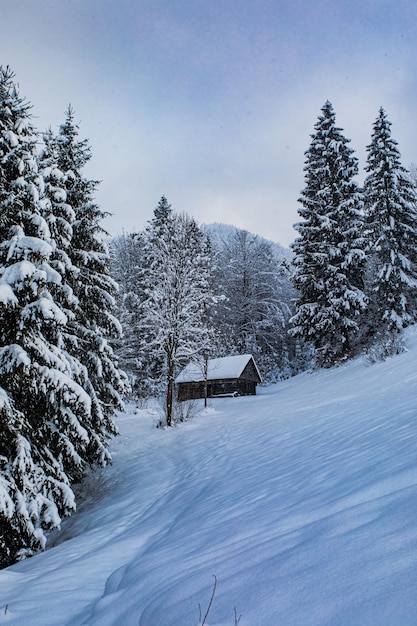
(43, 443)
(391, 221)
(329, 253)
(59, 380)
(94, 326)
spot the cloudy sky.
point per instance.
(211, 102)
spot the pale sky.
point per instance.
(211, 102)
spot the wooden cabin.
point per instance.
(228, 376)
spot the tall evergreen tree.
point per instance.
(44, 445)
(329, 254)
(94, 325)
(391, 220)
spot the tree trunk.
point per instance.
(205, 379)
(170, 391)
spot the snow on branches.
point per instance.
(55, 418)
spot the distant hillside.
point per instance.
(219, 233)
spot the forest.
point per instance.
(87, 320)
(347, 286)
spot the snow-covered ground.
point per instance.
(302, 501)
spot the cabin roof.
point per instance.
(220, 368)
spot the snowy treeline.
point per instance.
(182, 298)
(348, 286)
(190, 293)
(59, 378)
(252, 277)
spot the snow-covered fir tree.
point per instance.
(44, 442)
(94, 325)
(59, 217)
(175, 312)
(329, 253)
(391, 221)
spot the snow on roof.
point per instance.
(225, 367)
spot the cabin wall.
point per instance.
(195, 390)
(250, 373)
(246, 387)
(192, 391)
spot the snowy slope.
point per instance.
(301, 500)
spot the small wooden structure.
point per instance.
(228, 376)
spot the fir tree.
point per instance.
(94, 325)
(329, 254)
(43, 443)
(391, 220)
